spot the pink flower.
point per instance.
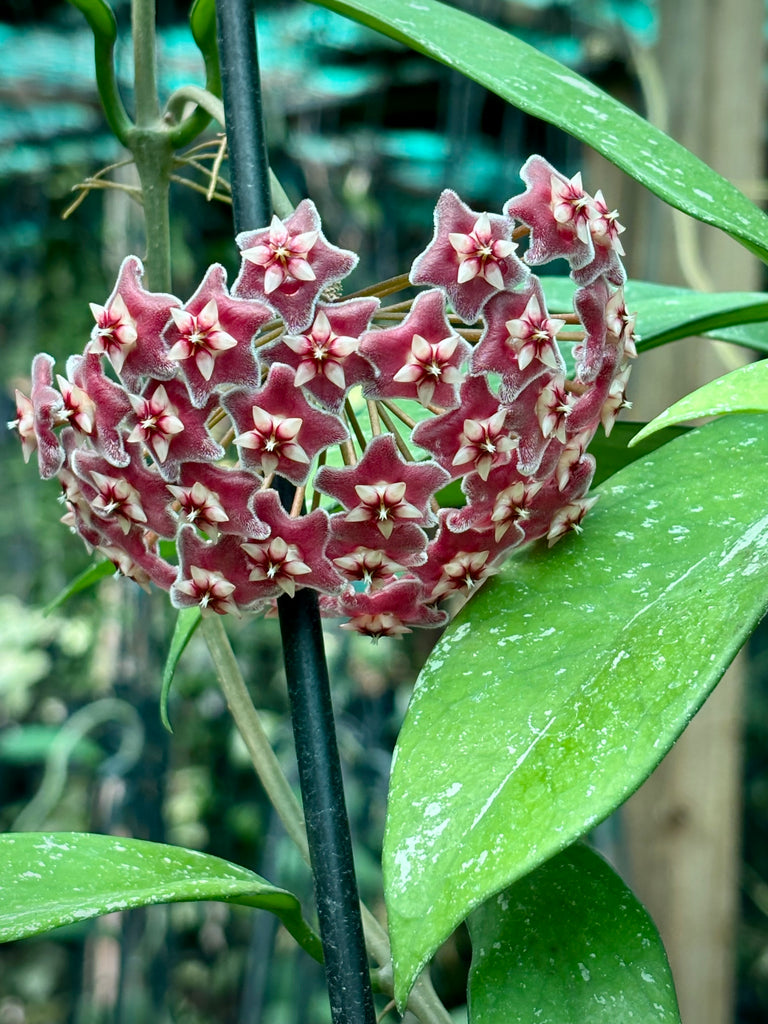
(569, 518)
(419, 358)
(219, 499)
(211, 338)
(129, 314)
(553, 408)
(326, 356)
(604, 224)
(557, 210)
(24, 424)
(279, 431)
(172, 430)
(390, 611)
(289, 264)
(475, 437)
(208, 589)
(293, 554)
(471, 256)
(158, 422)
(532, 336)
(383, 488)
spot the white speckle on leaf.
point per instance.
(578, 83)
(757, 534)
(489, 802)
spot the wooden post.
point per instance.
(704, 85)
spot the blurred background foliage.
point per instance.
(372, 132)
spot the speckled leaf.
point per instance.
(568, 944)
(613, 453)
(744, 390)
(541, 86)
(567, 678)
(48, 879)
(666, 313)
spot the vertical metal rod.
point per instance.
(246, 139)
(330, 845)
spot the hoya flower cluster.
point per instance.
(168, 432)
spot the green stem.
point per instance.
(151, 146)
(145, 63)
(249, 725)
(423, 1000)
(154, 163)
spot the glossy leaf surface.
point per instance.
(567, 678)
(568, 944)
(48, 879)
(613, 453)
(666, 313)
(541, 86)
(744, 390)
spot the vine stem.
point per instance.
(152, 150)
(423, 1001)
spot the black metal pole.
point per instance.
(330, 845)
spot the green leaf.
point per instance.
(88, 578)
(613, 453)
(187, 622)
(567, 678)
(541, 86)
(48, 879)
(666, 313)
(568, 944)
(743, 390)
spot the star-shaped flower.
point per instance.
(289, 264)
(134, 494)
(211, 338)
(383, 488)
(532, 336)
(495, 351)
(47, 405)
(406, 546)
(471, 256)
(326, 356)
(278, 430)
(213, 575)
(293, 555)
(553, 407)
(219, 499)
(24, 424)
(173, 431)
(129, 327)
(569, 518)
(420, 358)
(604, 224)
(457, 563)
(475, 435)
